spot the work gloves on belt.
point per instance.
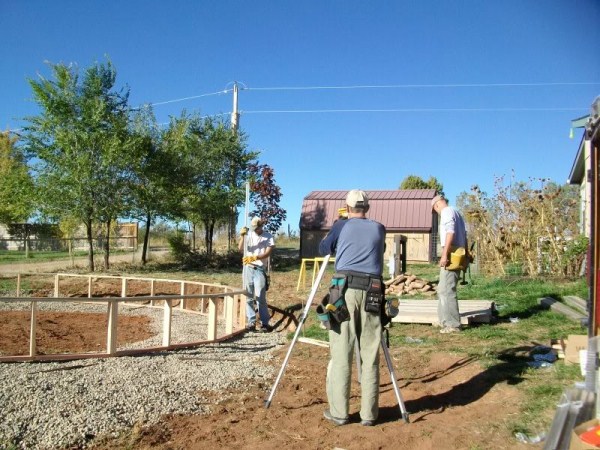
(249, 259)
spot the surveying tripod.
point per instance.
(302, 319)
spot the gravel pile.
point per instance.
(49, 405)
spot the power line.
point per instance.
(190, 98)
(307, 111)
(422, 86)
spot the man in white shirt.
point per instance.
(453, 234)
(258, 247)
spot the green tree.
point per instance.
(80, 142)
(213, 169)
(16, 184)
(155, 184)
(416, 182)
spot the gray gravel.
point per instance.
(50, 405)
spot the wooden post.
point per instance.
(56, 286)
(228, 314)
(242, 312)
(90, 286)
(111, 340)
(18, 285)
(167, 313)
(212, 319)
(124, 287)
(152, 291)
(182, 291)
(202, 291)
(32, 329)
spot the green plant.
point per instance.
(179, 248)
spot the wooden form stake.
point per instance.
(152, 292)
(212, 319)
(182, 291)
(111, 340)
(32, 329)
(167, 314)
(228, 314)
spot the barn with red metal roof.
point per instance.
(403, 213)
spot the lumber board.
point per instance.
(576, 302)
(313, 342)
(425, 311)
(556, 306)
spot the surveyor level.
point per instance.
(301, 321)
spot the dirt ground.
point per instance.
(451, 401)
(451, 408)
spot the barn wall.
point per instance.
(417, 245)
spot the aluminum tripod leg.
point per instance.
(388, 360)
(301, 321)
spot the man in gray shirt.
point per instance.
(358, 244)
(453, 234)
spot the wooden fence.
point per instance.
(227, 301)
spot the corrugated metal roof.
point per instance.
(398, 210)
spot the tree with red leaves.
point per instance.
(265, 194)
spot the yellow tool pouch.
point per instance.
(458, 259)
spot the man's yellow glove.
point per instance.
(249, 259)
(244, 231)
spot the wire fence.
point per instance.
(65, 245)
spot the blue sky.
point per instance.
(463, 90)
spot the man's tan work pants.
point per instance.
(342, 337)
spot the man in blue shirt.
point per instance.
(358, 244)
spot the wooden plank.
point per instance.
(425, 311)
(561, 308)
(313, 342)
(576, 303)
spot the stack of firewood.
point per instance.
(407, 284)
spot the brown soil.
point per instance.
(66, 332)
(453, 402)
(451, 405)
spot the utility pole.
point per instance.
(235, 115)
(235, 120)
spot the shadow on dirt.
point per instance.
(510, 368)
(284, 318)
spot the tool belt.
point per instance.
(372, 284)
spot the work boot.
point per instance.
(336, 421)
(251, 327)
(367, 423)
(448, 330)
